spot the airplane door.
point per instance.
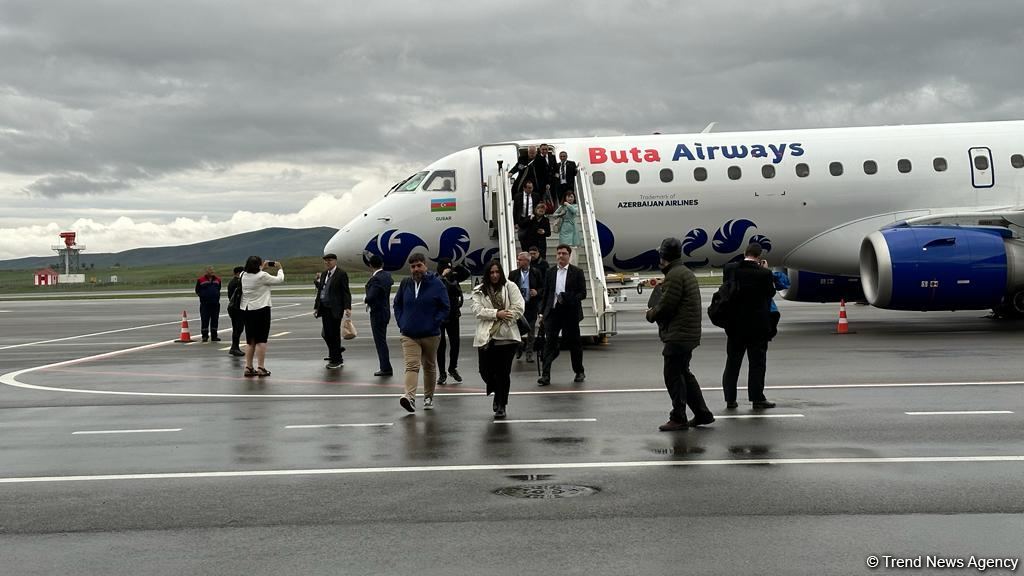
(490, 154)
(982, 175)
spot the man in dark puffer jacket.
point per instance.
(678, 314)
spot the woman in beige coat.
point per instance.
(497, 307)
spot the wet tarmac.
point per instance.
(126, 453)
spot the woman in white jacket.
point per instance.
(255, 308)
(497, 307)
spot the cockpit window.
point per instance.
(441, 181)
(409, 184)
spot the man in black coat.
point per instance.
(749, 326)
(565, 177)
(452, 277)
(536, 230)
(530, 284)
(524, 207)
(565, 288)
(333, 302)
(527, 169)
(235, 312)
(378, 300)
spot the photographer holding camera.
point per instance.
(255, 305)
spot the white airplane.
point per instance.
(922, 217)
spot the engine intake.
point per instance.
(940, 267)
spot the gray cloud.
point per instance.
(118, 96)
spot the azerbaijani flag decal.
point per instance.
(442, 205)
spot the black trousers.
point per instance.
(237, 327)
(682, 385)
(496, 370)
(379, 329)
(757, 356)
(331, 333)
(564, 323)
(208, 314)
(451, 330)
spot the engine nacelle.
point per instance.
(940, 267)
(813, 287)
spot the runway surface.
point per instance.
(126, 453)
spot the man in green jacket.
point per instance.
(678, 314)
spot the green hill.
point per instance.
(271, 243)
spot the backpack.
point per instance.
(720, 309)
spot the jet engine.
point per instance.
(943, 268)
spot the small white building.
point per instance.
(44, 277)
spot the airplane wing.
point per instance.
(1003, 217)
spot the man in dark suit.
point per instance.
(565, 176)
(561, 313)
(749, 326)
(333, 302)
(378, 300)
(526, 170)
(523, 208)
(527, 278)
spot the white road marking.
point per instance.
(127, 431)
(279, 334)
(959, 413)
(228, 347)
(502, 467)
(745, 416)
(543, 420)
(178, 322)
(370, 425)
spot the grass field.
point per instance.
(299, 272)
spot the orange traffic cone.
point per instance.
(186, 337)
(843, 327)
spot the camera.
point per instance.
(271, 263)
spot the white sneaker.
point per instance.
(428, 403)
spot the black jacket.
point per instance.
(678, 313)
(750, 306)
(526, 169)
(517, 207)
(339, 297)
(570, 174)
(533, 238)
(536, 281)
(378, 295)
(575, 291)
(452, 283)
(235, 285)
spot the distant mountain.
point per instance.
(277, 243)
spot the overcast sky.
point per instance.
(150, 123)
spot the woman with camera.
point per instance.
(497, 306)
(255, 305)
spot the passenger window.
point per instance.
(632, 176)
(414, 182)
(803, 170)
(700, 174)
(904, 166)
(441, 181)
(598, 178)
(870, 167)
(735, 173)
(1017, 161)
(768, 171)
(981, 162)
(940, 164)
(835, 168)
(666, 175)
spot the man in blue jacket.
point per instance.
(208, 290)
(378, 299)
(421, 307)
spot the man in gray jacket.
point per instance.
(678, 314)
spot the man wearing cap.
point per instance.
(333, 302)
(678, 314)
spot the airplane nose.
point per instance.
(344, 245)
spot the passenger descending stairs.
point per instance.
(599, 319)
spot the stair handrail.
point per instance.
(506, 222)
(588, 220)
